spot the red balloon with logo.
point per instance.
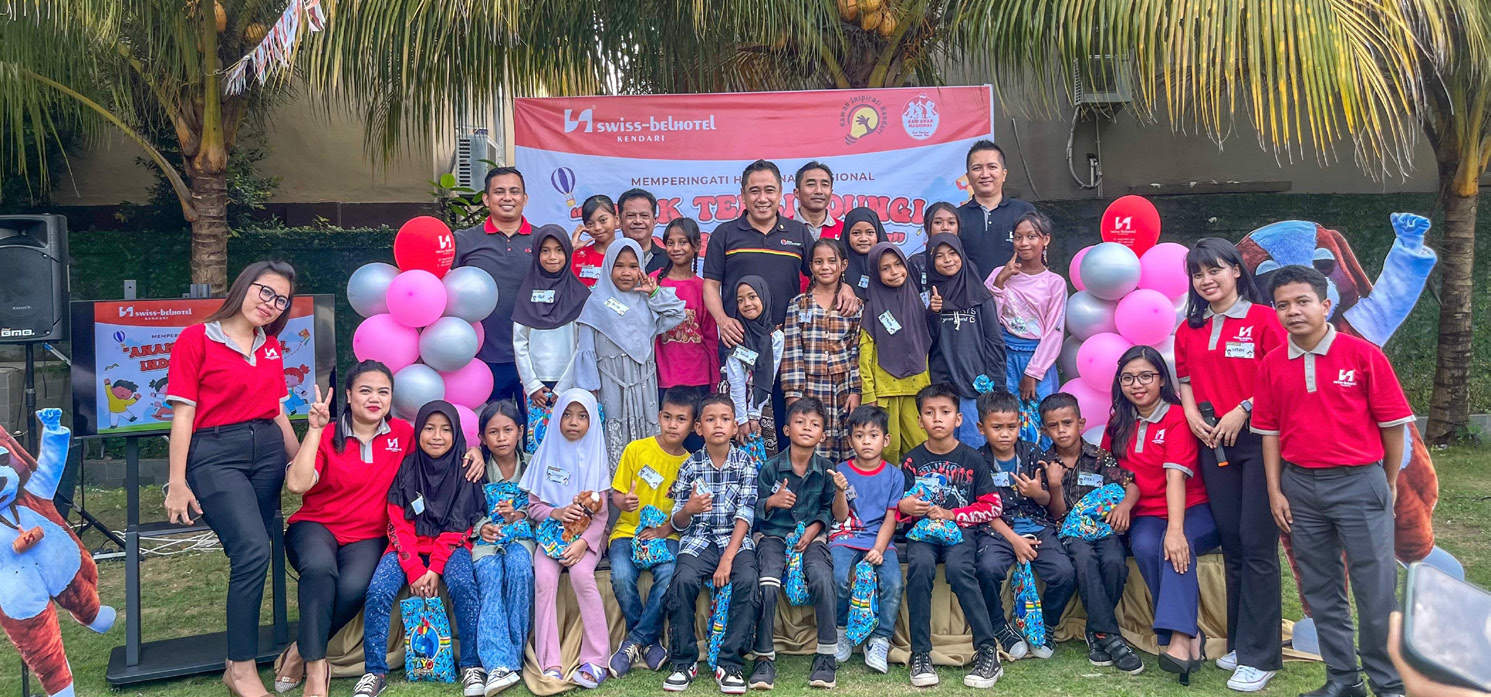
(425, 243)
(1133, 222)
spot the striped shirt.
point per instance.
(819, 342)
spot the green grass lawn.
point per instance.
(182, 595)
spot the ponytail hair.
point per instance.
(839, 251)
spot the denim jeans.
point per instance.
(888, 587)
(506, 581)
(644, 622)
(388, 580)
(968, 433)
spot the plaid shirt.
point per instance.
(819, 342)
(1027, 459)
(734, 490)
(1093, 460)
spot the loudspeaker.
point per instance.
(33, 278)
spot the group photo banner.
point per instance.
(894, 151)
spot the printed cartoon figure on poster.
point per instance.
(159, 409)
(295, 380)
(122, 396)
(41, 560)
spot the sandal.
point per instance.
(588, 676)
(285, 679)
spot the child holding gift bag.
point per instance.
(544, 333)
(503, 571)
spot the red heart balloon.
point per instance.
(1133, 222)
(425, 243)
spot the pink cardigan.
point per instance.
(1033, 307)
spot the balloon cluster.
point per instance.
(1131, 292)
(423, 320)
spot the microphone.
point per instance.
(1210, 415)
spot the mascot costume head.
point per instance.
(41, 560)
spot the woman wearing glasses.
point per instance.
(230, 440)
(1171, 521)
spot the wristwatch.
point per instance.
(1247, 405)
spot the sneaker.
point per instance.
(499, 680)
(1249, 679)
(764, 675)
(371, 685)
(1096, 654)
(877, 653)
(1124, 658)
(655, 656)
(845, 648)
(588, 676)
(681, 677)
(986, 669)
(922, 672)
(730, 680)
(1047, 648)
(822, 672)
(474, 682)
(1228, 662)
(625, 656)
(1011, 643)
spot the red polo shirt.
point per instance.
(586, 264)
(1220, 358)
(225, 384)
(1328, 405)
(350, 496)
(1162, 442)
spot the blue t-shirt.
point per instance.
(1006, 477)
(870, 495)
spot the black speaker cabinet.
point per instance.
(33, 278)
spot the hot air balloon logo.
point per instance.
(563, 180)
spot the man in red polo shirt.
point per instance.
(1332, 417)
(814, 191)
(503, 247)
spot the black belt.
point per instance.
(226, 429)
(1333, 470)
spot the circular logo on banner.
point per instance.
(920, 117)
(861, 116)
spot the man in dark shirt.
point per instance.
(638, 222)
(987, 221)
(502, 245)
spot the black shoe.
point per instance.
(922, 672)
(1332, 688)
(986, 669)
(1096, 654)
(822, 672)
(764, 675)
(1124, 658)
(1183, 668)
(1013, 646)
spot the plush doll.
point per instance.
(553, 536)
(41, 560)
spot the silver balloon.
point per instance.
(470, 293)
(1068, 361)
(448, 344)
(1110, 271)
(367, 289)
(1167, 351)
(414, 387)
(1094, 435)
(1180, 310)
(1087, 314)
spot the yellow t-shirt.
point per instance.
(644, 460)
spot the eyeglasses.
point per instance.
(1144, 378)
(267, 294)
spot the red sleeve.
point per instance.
(984, 509)
(1182, 344)
(322, 455)
(444, 546)
(1389, 406)
(1265, 402)
(1182, 449)
(404, 543)
(1107, 443)
(184, 372)
(1274, 335)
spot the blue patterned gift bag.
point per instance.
(550, 538)
(1029, 619)
(719, 611)
(428, 654)
(755, 446)
(795, 583)
(942, 532)
(649, 553)
(538, 425)
(864, 602)
(507, 533)
(1088, 520)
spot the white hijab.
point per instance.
(562, 468)
(634, 330)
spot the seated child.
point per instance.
(505, 573)
(793, 488)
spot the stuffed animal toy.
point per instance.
(795, 583)
(649, 553)
(864, 602)
(553, 536)
(41, 560)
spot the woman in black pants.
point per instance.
(230, 440)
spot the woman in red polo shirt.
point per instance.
(230, 440)
(1171, 521)
(1228, 329)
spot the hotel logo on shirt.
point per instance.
(1245, 333)
(393, 446)
(1159, 437)
(270, 353)
(1346, 378)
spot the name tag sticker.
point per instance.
(590, 272)
(651, 476)
(1003, 479)
(418, 504)
(1089, 479)
(888, 321)
(1239, 350)
(864, 281)
(850, 494)
(617, 306)
(556, 475)
(805, 316)
(776, 487)
(745, 355)
(542, 296)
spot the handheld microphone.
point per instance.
(1210, 415)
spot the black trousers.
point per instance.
(694, 441)
(818, 568)
(236, 472)
(333, 581)
(958, 567)
(1250, 551)
(1102, 568)
(689, 576)
(1051, 566)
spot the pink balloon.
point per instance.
(1094, 404)
(470, 386)
(382, 338)
(416, 298)
(469, 427)
(1163, 268)
(1097, 359)
(481, 334)
(1074, 270)
(1145, 317)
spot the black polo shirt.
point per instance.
(507, 259)
(737, 250)
(988, 236)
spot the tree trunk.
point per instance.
(1449, 407)
(210, 228)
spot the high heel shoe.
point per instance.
(284, 678)
(1182, 668)
(233, 689)
(308, 693)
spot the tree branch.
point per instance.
(834, 69)
(882, 66)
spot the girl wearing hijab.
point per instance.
(431, 508)
(862, 231)
(549, 299)
(967, 339)
(941, 217)
(571, 462)
(894, 341)
(751, 366)
(626, 311)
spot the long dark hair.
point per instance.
(595, 203)
(1122, 419)
(690, 230)
(233, 304)
(501, 407)
(1216, 252)
(932, 212)
(339, 437)
(838, 247)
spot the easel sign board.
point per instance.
(122, 349)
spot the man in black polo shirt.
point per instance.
(638, 222)
(502, 245)
(987, 222)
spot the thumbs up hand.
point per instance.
(631, 503)
(784, 498)
(935, 304)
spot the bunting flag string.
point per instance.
(277, 49)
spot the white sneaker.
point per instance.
(1249, 679)
(1228, 662)
(845, 647)
(499, 680)
(1042, 651)
(474, 680)
(876, 654)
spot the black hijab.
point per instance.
(451, 503)
(903, 353)
(963, 290)
(858, 267)
(757, 338)
(563, 288)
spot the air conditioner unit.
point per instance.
(1102, 79)
(471, 151)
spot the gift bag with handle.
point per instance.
(719, 611)
(942, 532)
(428, 653)
(795, 583)
(1088, 520)
(649, 553)
(864, 602)
(507, 533)
(1029, 619)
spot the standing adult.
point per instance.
(230, 439)
(815, 195)
(987, 221)
(638, 222)
(502, 245)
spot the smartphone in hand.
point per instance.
(1447, 628)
